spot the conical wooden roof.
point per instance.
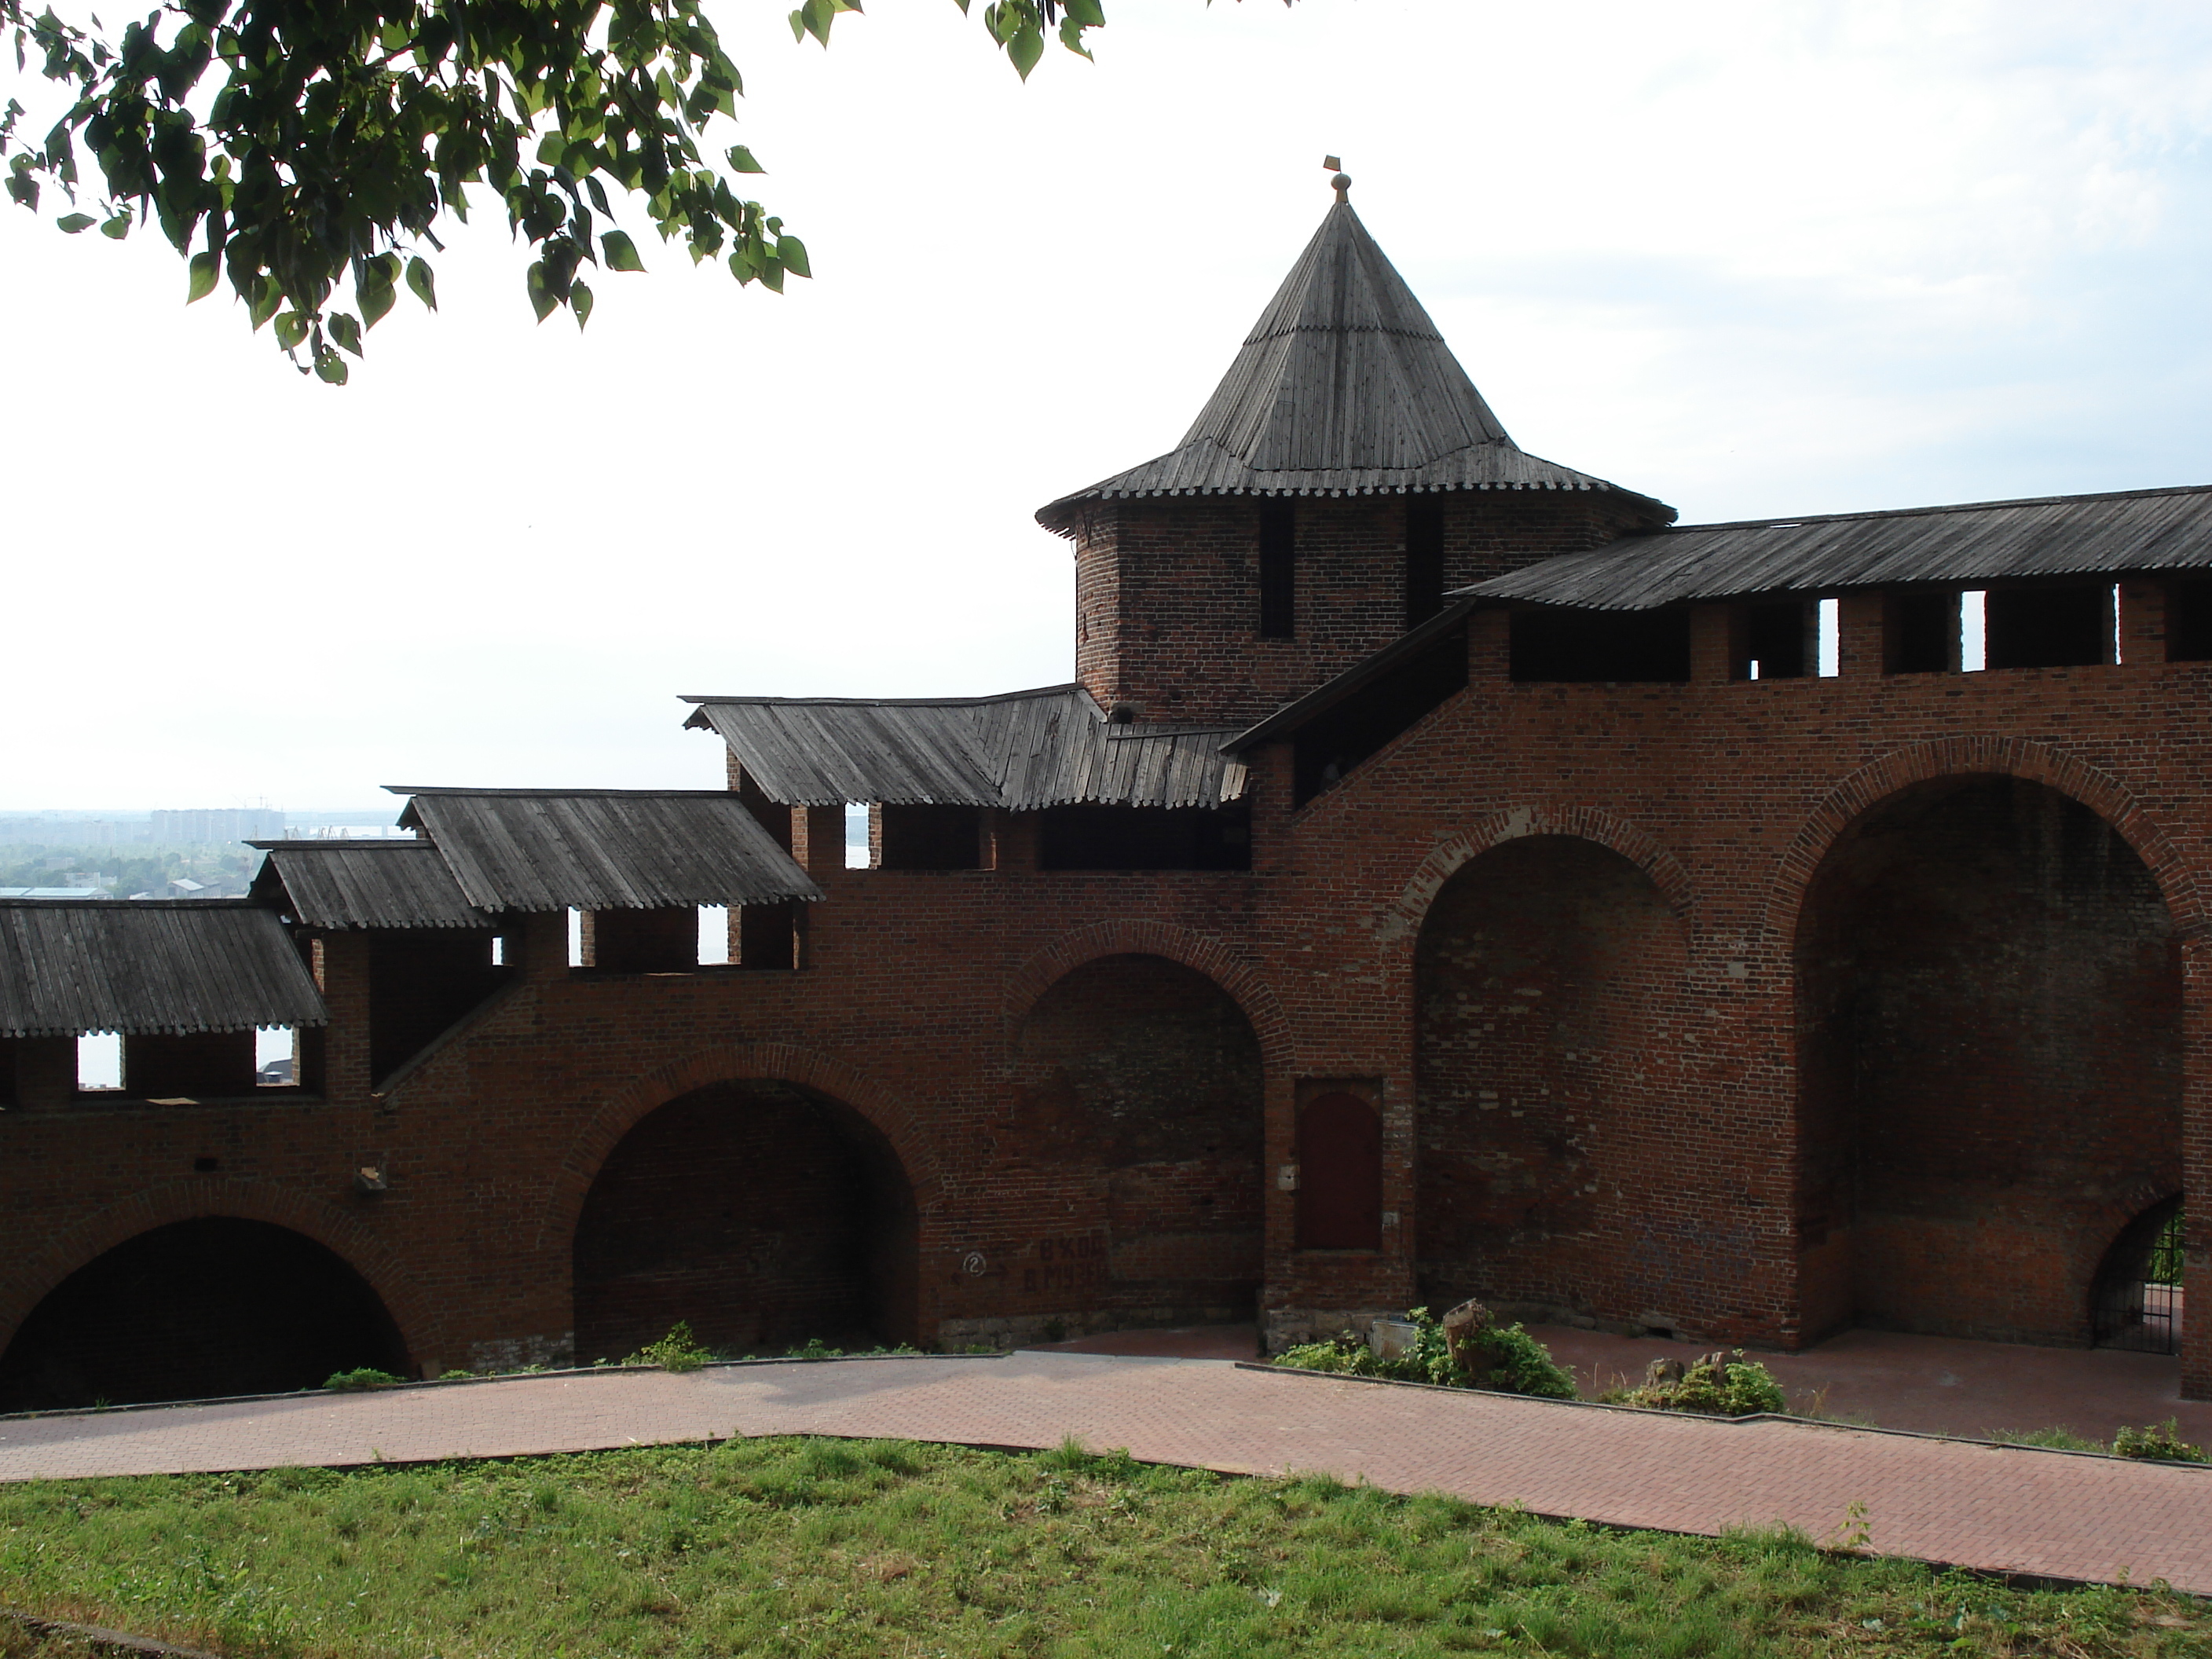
(1343, 386)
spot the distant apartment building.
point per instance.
(207, 826)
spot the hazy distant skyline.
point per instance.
(1751, 259)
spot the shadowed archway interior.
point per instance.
(1145, 1075)
(762, 1213)
(1988, 1032)
(208, 1307)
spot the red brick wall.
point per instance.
(1168, 594)
(1727, 796)
(1989, 999)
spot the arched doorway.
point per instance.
(1142, 1077)
(196, 1308)
(762, 1212)
(1989, 1011)
(2137, 1301)
(1548, 1101)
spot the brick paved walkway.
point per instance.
(2002, 1508)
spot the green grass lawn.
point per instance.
(823, 1547)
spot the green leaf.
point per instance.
(291, 330)
(1087, 13)
(551, 148)
(580, 301)
(74, 222)
(790, 254)
(419, 280)
(622, 252)
(346, 332)
(267, 296)
(541, 298)
(205, 269)
(374, 293)
(741, 161)
(117, 228)
(331, 368)
(1025, 48)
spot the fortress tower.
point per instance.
(1345, 475)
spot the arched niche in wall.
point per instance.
(1989, 1061)
(1143, 1077)
(196, 1308)
(761, 1212)
(1553, 1174)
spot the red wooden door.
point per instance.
(1339, 1175)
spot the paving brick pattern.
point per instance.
(2011, 1509)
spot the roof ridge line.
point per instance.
(1788, 521)
(883, 702)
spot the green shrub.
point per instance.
(2161, 1442)
(678, 1350)
(367, 1376)
(1511, 1361)
(1724, 1384)
(2058, 1439)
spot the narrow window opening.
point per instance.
(714, 935)
(99, 1061)
(575, 937)
(1831, 638)
(1279, 538)
(1776, 640)
(2189, 622)
(2062, 627)
(932, 837)
(276, 1057)
(856, 835)
(768, 935)
(2116, 653)
(1922, 635)
(1973, 631)
(499, 949)
(1425, 558)
(664, 940)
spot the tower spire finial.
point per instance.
(1342, 181)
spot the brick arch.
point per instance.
(1969, 757)
(1203, 953)
(738, 1062)
(207, 1198)
(1401, 921)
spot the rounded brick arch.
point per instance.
(1401, 921)
(740, 1063)
(1971, 756)
(213, 1197)
(1203, 953)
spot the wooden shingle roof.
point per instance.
(604, 849)
(148, 968)
(368, 883)
(1973, 542)
(1343, 386)
(1023, 751)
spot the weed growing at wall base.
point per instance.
(803, 1547)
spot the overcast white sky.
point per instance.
(1752, 258)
